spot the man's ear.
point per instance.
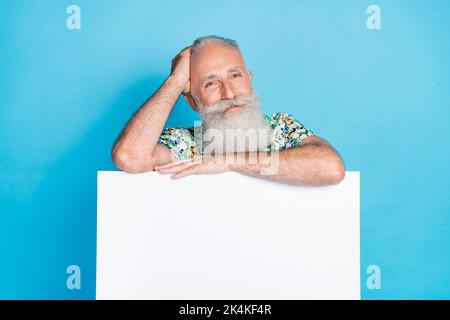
(250, 75)
(191, 101)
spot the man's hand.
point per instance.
(137, 149)
(205, 164)
(313, 163)
(181, 68)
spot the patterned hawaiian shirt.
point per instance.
(288, 132)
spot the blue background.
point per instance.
(381, 97)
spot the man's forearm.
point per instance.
(139, 138)
(309, 164)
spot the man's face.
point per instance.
(221, 91)
(218, 73)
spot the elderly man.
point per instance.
(212, 76)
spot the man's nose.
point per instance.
(227, 91)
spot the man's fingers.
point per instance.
(173, 163)
(179, 165)
(188, 48)
(195, 159)
(177, 168)
(188, 171)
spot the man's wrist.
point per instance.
(177, 81)
(254, 162)
(237, 161)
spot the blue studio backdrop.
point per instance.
(379, 95)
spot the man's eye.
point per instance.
(208, 84)
(236, 75)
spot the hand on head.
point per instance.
(181, 68)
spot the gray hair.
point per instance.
(201, 41)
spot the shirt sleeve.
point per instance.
(180, 141)
(288, 131)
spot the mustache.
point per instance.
(222, 105)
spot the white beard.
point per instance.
(241, 130)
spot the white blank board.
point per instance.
(226, 236)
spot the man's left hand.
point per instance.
(204, 164)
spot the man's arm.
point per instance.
(137, 148)
(313, 163)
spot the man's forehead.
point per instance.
(216, 57)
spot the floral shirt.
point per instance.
(288, 132)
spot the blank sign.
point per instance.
(226, 236)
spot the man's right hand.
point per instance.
(180, 68)
(137, 148)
